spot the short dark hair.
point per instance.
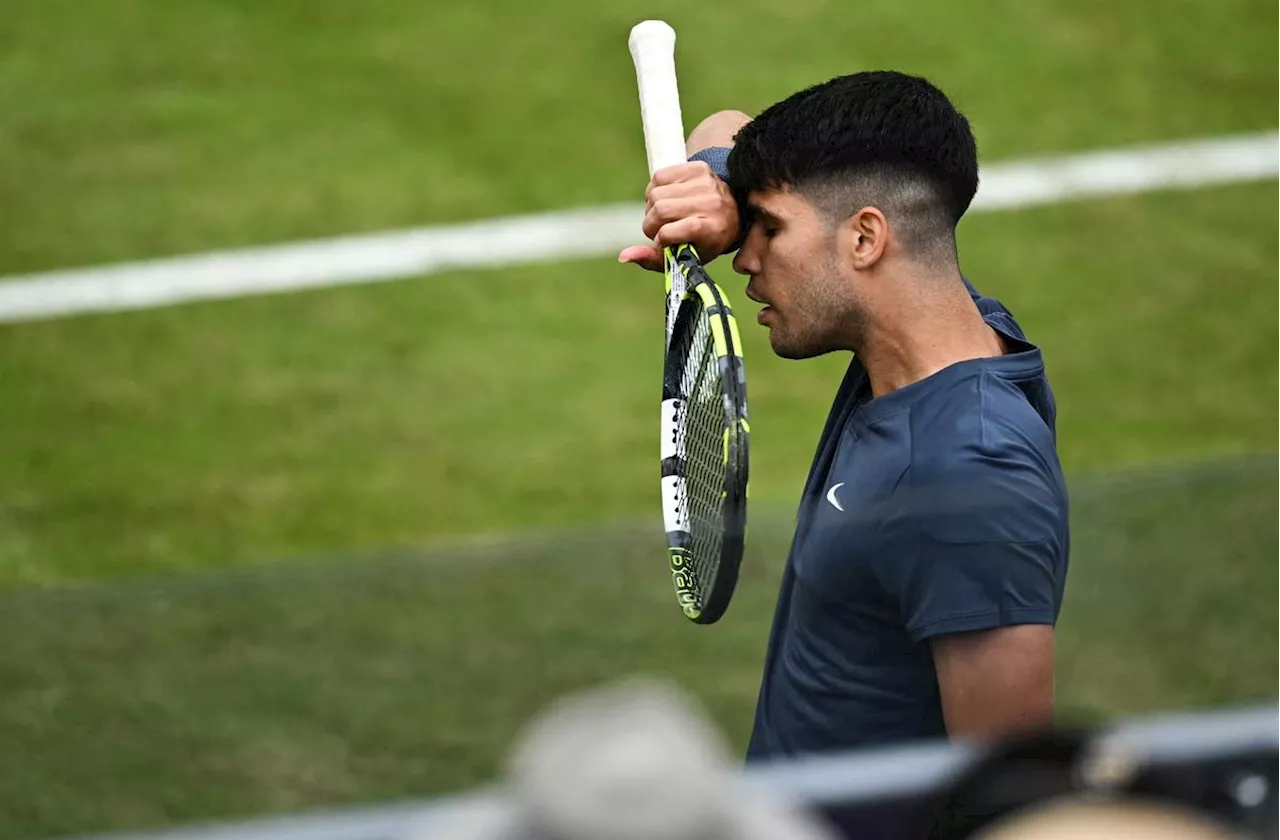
(879, 137)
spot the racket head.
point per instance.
(705, 444)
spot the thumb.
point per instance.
(645, 256)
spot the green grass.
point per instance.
(231, 441)
(369, 678)
(229, 432)
(236, 431)
(134, 128)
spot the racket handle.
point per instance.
(653, 49)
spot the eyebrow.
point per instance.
(758, 212)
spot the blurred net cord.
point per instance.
(855, 779)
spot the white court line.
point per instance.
(589, 232)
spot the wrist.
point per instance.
(717, 157)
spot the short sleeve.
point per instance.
(982, 548)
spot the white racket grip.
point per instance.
(653, 49)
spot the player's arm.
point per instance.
(976, 560)
(690, 202)
(995, 682)
(716, 132)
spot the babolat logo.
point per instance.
(683, 580)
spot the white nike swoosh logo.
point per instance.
(831, 496)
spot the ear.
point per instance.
(864, 236)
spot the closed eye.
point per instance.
(761, 218)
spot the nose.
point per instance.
(747, 261)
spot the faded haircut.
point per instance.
(882, 138)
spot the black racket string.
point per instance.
(703, 428)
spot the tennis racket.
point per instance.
(704, 388)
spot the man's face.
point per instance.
(790, 255)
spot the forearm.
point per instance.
(716, 131)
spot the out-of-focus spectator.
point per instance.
(1124, 820)
(1068, 784)
(631, 761)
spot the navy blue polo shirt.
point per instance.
(937, 508)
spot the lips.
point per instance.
(764, 313)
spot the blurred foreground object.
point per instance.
(628, 763)
(631, 761)
(1083, 820)
(1073, 784)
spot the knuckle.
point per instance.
(671, 233)
(668, 175)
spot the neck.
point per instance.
(921, 327)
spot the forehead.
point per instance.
(782, 203)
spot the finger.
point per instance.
(708, 190)
(667, 210)
(696, 183)
(681, 172)
(636, 253)
(645, 256)
(676, 189)
(679, 232)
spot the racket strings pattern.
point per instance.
(701, 439)
(704, 410)
(705, 431)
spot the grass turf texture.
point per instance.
(135, 128)
(237, 431)
(366, 678)
(221, 434)
(258, 428)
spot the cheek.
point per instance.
(790, 266)
(782, 265)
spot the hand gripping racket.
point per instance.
(704, 388)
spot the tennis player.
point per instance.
(930, 554)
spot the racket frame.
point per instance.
(690, 294)
(703, 602)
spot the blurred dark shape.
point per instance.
(1072, 782)
(1034, 768)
